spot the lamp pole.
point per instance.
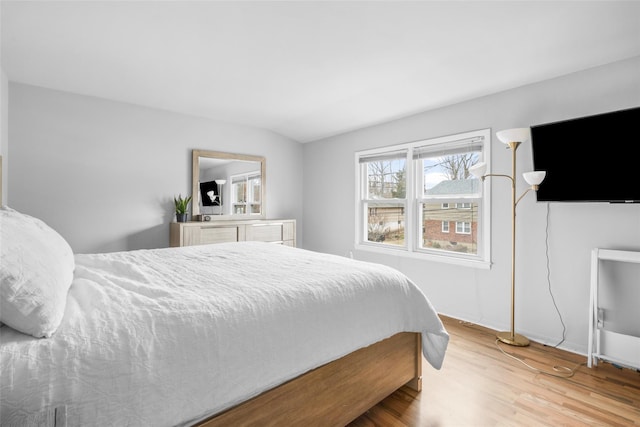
(511, 337)
(220, 183)
(512, 138)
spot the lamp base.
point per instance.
(515, 339)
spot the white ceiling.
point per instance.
(307, 69)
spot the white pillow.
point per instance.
(36, 271)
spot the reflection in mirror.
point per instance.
(227, 186)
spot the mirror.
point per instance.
(227, 186)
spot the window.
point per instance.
(410, 195)
(384, 197)
(463, 228)
(245, 192)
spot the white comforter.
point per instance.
(165, 337)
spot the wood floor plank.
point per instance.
(479, 386)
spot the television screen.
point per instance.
(589, 159)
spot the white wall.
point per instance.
(4, 135)
(483, 296)
(4, 144)
(104, 174)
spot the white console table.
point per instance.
(605, 344)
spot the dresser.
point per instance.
(200, 233)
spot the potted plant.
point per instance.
(182, 206)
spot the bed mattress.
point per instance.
(167, 337)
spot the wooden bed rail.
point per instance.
(336, 393)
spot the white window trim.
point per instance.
(462, 232)
(410, 248)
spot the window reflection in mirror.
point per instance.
(227, 186)
(246, 193)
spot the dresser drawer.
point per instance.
(265, 232)
(218, 235)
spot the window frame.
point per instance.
(413, 200)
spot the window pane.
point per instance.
(448, 175)
(386, 179)
(240, 191)
(385, 224)
(464, 240)
(254, 183)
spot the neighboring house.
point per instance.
(445, 225)
(451, 226)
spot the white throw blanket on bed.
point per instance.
(165, 337)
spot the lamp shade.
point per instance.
(478, 170)
(534, 178)
(220, 181)
(514, 135)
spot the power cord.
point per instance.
(558, 371)
(546, 242)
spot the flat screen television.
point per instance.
(589, 159)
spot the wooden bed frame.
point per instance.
(336, 393)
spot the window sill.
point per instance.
(485, 265)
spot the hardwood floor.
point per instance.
(480, 386)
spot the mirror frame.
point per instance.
(195, 180)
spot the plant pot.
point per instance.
(181, 217)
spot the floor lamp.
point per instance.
(220, 183)
(212, 196)
(512, 138)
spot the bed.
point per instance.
(246, 333)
